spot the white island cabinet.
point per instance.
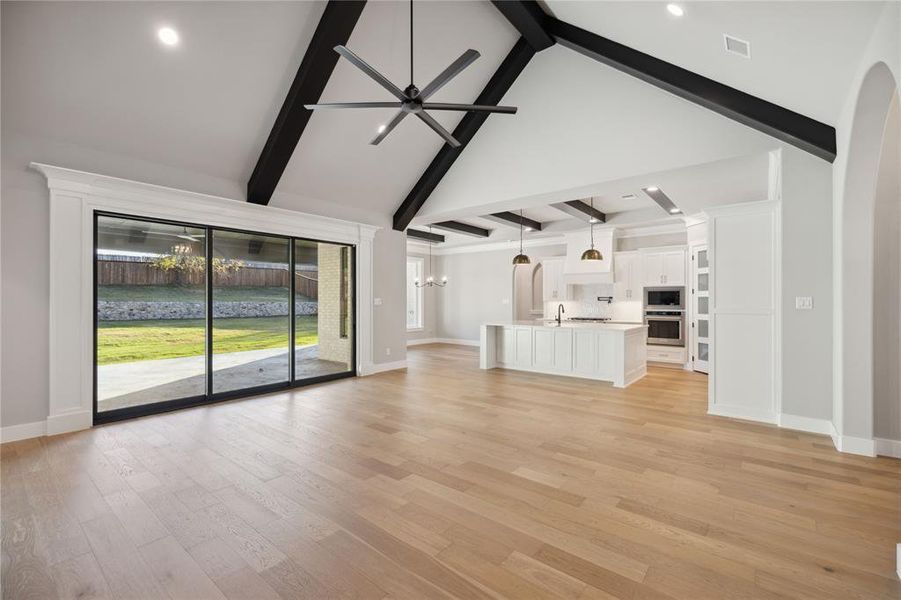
(613, 352)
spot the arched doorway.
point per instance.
(854, 409)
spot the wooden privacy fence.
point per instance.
(119, 272)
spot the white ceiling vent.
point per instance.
(737, 46)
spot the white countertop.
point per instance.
(608, 326)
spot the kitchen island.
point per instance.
(613, 352)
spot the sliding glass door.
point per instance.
(186, 314)
(150, 313)
(251, 322)
(323, 300)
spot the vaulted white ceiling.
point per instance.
(92, 74)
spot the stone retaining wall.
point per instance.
(144, 311)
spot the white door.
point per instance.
(700, 298)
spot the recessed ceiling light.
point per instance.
(167, 36)
(382, 128)
(628, 196)
(592, 220)
(653, 188)
(528, 229)
(675, 10)
(674, 211)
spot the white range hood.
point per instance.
(578, 271)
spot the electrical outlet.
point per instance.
(803, 303)
(505, 301)
(387, 351)
(377, 301)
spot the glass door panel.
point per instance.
(324, 309)
(150, 312)
(701, 298)
(250, 296)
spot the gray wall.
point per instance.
(806, 271)
(480, 289)
(24, 255)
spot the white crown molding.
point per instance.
(634, 232)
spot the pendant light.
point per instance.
(430, 281)
(592, 253)
(521, 259)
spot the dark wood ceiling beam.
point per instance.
(335, 26)
(464, 228)
(529, 19)
(511, 218)
(783, 124)
(512, 65)
(426, 236)
(580, 210)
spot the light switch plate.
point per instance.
(803, 302)
(377, 301)
(505, 301)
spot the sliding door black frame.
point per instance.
(209, 397)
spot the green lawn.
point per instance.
(195, 293)
(129, 341)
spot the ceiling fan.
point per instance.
(412, 100)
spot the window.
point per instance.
(414, 294)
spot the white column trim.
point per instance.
(74, 198)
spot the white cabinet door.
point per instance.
(652, 266)
(554, 287)
(506, 350)
(563, 349)
(523, 342)
(625, 276)
(585, 351)
(543, 349)
(674, 268)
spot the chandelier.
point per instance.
(430, 281)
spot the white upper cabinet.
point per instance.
(555, 288)
(626, 277)
(663, 267)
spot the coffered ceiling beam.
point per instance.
(511, 218)
(512, 65)
(426, 236)
(529, 19)
(335, 27)
(783, 124)
(580, 210)
(464, 228)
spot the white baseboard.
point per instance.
(807, 424)
(71, 421)
(64, 423)
(855, 445)
(455, 341)
(886, 447)
(14, 433)
(382, 367)
(737, 412)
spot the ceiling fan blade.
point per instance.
(375, 75)
(352, 105)
(510, 110)
(466, 59)
(438, 128)
(388, 127)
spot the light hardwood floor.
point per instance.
(447, 481)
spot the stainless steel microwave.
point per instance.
(664, 298)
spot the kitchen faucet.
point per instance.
(560, 309)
